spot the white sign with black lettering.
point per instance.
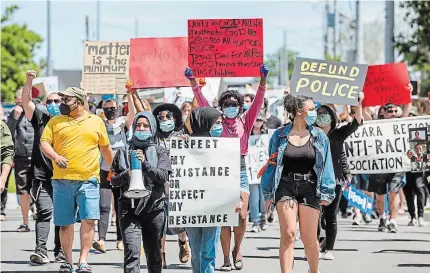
(258, 149)
(205, 183)
(380, 146)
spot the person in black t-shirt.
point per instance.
(272, 121)
(41, 172)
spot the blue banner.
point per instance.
(359, 200)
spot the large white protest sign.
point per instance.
(258, 149)
(205, 183)
(380, 146)
(105, 69)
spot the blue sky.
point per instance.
(303, 21)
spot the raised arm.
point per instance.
(135, 106)
(201, 100)
(27, 102)
(251, 115)
(407, 107)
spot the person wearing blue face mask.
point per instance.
(236, 123)
(144, 221)
(298, 179)
(204, 122)
(247, 101)
(41, 172)
(170, 124)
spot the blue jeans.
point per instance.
(256, 204)
(75, 200)
(203, 243)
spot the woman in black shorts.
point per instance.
(298, 179)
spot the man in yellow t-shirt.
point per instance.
(72, 141)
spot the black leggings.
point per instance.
(329, 216)
(415, 185)
(105, 205)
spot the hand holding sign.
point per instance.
(189, 73)
(264, 70)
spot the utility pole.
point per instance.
(280, 67)
(326, 29)
(389, 32)
(87, 27)
(357, 31)
(48, 38)
(334, 29)
(98, 20)
(285, 77)
(136, 28)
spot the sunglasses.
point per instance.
(109, 109)
(231, 104)
(392, 111)
(169, 115)
(66, 99)
(57, 101)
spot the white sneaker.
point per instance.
(328, 256)
(421, 222)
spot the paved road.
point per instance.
(358, 249)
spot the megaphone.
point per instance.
(137, 188)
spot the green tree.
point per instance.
(272, 61)
(415, 48)
(18, 45)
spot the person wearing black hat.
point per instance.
(170, 124)
(327, 120)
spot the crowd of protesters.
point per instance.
(71, 161)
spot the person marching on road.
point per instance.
(74, 140)
(41, 172)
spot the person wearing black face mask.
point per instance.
(116, 127)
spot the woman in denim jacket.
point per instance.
(298, 179)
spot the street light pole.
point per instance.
(48, 38)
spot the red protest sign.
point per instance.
(387, 83)
(225, 47)
(158, 62)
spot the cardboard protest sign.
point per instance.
(158, 62)
(387, 83)
(419, 149)
(105, 68)
(358, 199)
(380, 146)
(225, 47)
(205, 183)
(328, 81)
(258, 149)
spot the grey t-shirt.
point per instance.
(117, 138)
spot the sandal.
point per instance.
(66, 267)
(23, 228)
(84, 268)
(225, 268)
(238, 263)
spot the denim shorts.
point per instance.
(75, 200)
(244, 183)
(304, 192)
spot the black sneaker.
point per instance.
(392, 228)
(59, 257)
(411, 223)
(344, 214)
(39, 258)
(382, 225)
